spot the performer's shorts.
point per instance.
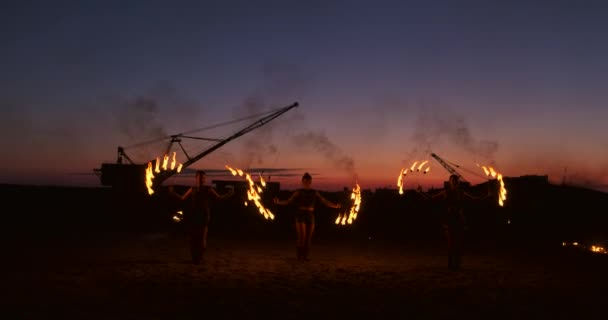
(306, 217)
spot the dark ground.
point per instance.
(88, 254)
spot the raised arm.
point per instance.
(187, 194)
(471, 196)
(288, 201)
(327, 202)
(441, 195)
(218, 196)
(171, 191)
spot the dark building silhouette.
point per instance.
(243, 185)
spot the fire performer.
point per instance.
(453, 219)
(305, 200)
(197, 213)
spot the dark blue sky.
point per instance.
(516, 84)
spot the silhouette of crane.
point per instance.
(449, 168)
(132, 176)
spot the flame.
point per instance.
(415, 167)
(157, 169)
(149, 177)
(421, 165)
(592, 248)
(173, 162)
(253, 194)
(178, 216)
(234, 173)
(165, 161)
(355, 196)
(502, 190)
(598, 249)
(400, 180)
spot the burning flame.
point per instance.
(253, 194)
(413, 168)
(592, 248)
(422, 164)
(400, 180)
(502, 190)
(157, 169)
(149, 177)
(598, 249)
(355, 196)
(178, 216)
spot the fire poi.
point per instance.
(415, 167)
(175, 166)
(502, 191)
(253, 194)
(350, 216)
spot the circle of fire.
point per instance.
(351, 216)
(253, 194)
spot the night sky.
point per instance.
(518, 85)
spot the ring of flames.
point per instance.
(350, 216)
(253, 194)
(165, 166)
(412, 168)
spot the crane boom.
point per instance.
(131, 176)
(448, 167)
(158, 179)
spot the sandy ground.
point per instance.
(149, 276)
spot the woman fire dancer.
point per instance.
(197, 213)
(305, 200)
(453, 219)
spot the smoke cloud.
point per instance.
(153, 117)
(282, 84)
(435, 125)
(320, 142)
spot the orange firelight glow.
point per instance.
(412, 168)
(157, 169)
(253, 194)
(502, 190)
(349, 218)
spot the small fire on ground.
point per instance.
(593, 248)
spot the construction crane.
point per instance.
(131, 176)
(449, 168)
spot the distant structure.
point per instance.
(531, 179)
(464, 184)
(242, 185)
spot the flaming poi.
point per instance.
(415, 167)
(253, 194)
(502, 191)
(350, 216)
(174, 166)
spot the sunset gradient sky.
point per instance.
(519, 85)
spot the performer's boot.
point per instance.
(300, 252)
